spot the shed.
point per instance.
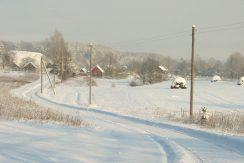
(97, 71)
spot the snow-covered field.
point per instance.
(120, 138)
(223, 95)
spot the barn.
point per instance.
(97, 71)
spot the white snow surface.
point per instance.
(116, 137)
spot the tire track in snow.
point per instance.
(216, 139)
(173, 151)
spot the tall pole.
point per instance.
(90, 79)
(41, 78)
(62, 65)
(192, 70)
(54, 80)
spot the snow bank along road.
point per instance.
(119, 138)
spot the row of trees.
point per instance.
(113, 62)
(232, 68)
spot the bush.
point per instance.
(135, 83)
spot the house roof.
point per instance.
(83, 69)
(19, 57)
(99, 68)
(162, 68)
(30, 63)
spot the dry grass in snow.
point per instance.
(230, 122)
(18, 109)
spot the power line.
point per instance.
(184, 33)
(220, 29)
(223, 25)
(151, 39)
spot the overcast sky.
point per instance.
(160, 26)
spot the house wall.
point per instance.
(96, 72)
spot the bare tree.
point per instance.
(234, 66)
(56, 50)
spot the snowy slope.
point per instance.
(131, 139)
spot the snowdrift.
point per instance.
(179, 82)
(216, 78)
(241, 81)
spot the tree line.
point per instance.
(115, 62)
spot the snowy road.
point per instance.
(131, 139)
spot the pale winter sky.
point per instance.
(160, 26)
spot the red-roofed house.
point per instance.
(97, 71)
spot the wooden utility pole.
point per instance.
(54, 80)
(62, 65)
(90, 79)
(44, 65)
(192, 70)
(41, 77)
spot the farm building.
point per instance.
(83, 71)
(24, 60)
(162, 69)
(97, 71)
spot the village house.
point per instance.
(26, 61)
(162, 69)
(97, 71)
(30, 67)
(83, 71)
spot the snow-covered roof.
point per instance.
(83, 69)
(100, 68)
(163, 68)
(19, 57)
(216, 78)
